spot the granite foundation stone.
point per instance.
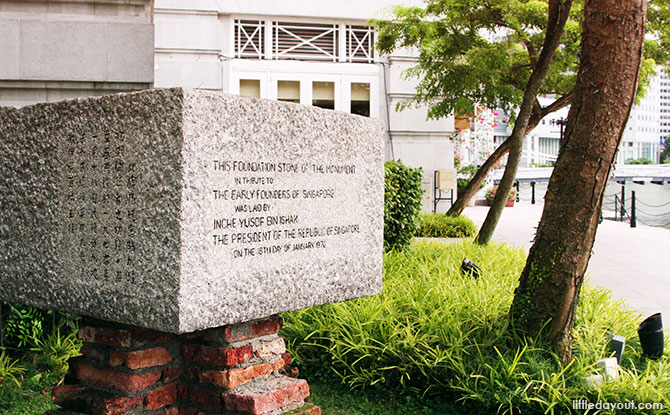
(179, 210)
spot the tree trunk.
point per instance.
(549, 286)
(559, 12)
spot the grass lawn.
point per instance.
(336, 399)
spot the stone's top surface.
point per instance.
(181, 210)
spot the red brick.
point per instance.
(116, 380)
(204, 397)
(232, 378)
(268, 326)
(64, 393)
(282, 392)
(250, 330)
(273, 347)
(158, 398)
(105, 335)
(171, 374)
(93, 402)
(113, 406)
(287, 358)
(215, 356)
(91, 353)
(140, 359)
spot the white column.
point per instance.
(268, 39)
(341, 44)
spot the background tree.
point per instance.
(665, 154)
(484, 51)
(556, 19)
(611, 57)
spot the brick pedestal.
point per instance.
(235, 369)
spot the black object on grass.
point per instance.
(651, 336)
(469, 267)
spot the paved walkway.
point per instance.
(632, 262)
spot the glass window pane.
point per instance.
(288, 91)
(323, 94)
(250, 88)
(360, 99)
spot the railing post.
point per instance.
(518, 190)
(532, 193)
(633, 216)
(623, 201)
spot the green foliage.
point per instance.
(54, 351)
(31, 397)
(41, 342)
(336, 399)
(402, 203)
(542, 165)
(641, 160)
(483, 51)
(665, 154)
(435, 331)
(462, 63)
(465, 174)
(443, 226)
(10, 370)
(23, 327)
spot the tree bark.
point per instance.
(559, 11)
(549, 286)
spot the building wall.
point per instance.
(54, 50)
(664, 105)
(195, 47)
(641, 138)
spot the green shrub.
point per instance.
(443, 226)
(402, 203)
(10, 370)
(23, 326)
(436, 331)
(641, 160)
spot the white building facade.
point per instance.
(308, 52)
(641, 138)
(664, 104)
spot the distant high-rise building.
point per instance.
(664, 104)
(641, 136)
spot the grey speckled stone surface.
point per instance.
(181, 210)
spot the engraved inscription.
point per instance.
(101, 204)
(256, 202)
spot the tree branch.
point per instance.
(562, 102)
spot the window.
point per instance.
(288, 91)
(323, 95)
(304, 41)
(250, 88)
(360, 99)
(249, 39)
(548, 145)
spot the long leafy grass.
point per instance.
(439, 225)
(436, 332)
